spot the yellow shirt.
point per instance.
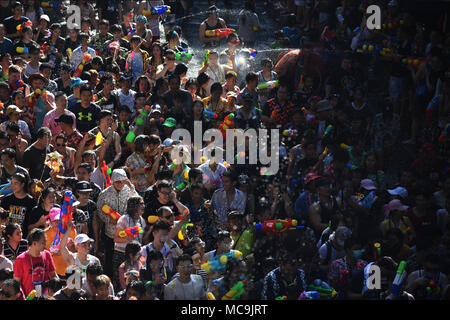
(60, 263)
(219, 108)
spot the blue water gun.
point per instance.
(218, 263)
(209, 114)
(65, 217)
(5, 189)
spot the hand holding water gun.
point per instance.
(210, 296)
(277, 226)
(79, 70)
(113, 214)
(268, 85)
(206, 58)
(327, 130)
(399, 279)
(131, 232)
(327, 293)
(290, 133)
(236, 291)
(220, 33)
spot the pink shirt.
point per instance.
(55, 128)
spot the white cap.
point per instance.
(118, 175)
(399, 191)
(82, 238)
(45, 17)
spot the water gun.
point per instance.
(156, 10)
(328, 130)
(106, 171)
(346, 147)
(236, 291)
(131, 231)
(433, 289)
(22, 50)
(210, 296)
(309, 295)
(209, 114)
(79, 70)
(415, 62)
(368, 200)
(143, 115)
(290, 133)
(113, 214)
(431, 106)
(252, 52)
(65, 217)
(228, 123)
(69, 53)
(206, 58)
(323, 292)
(327, 35)
(281, 298)
(47, 46)
(54, 161)
(5, 189)
(183, 56)
(267, 85)
(376, 251)
(18, 85)
(51, 4)
(183, 228)
(399, 279)
(218, 263)
(20, 26)
(221, 33)
(31, 295)
(152, 219)
(277, 226)
(128, 36)
(369, 48)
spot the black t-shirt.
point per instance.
(36, 213)
(90, 209)
(20, 210)
(154, 204)
(34, 159)
(11, 25)
(5, 177)
(61, 87)
(86, 117)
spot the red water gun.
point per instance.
(228, 123)
(131, 232)
(221, 33)
(79, 70)
(106, 171)
(65, 217)
(277, 226)
(113, 214)
(415, 62)
(22, 25)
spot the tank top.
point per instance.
(216, 26)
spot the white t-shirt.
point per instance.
(90, 260)
(29, 70)
(124, 222)
(6, 264)
(170, 257)
(193, 290)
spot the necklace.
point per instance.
(83, 267)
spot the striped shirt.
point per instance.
(12, 254)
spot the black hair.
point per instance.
(45, 193)
(85, 87)
(85, 165)
(161, 225)
(164, 184)
(10, 229)
(222, 235)
(59, 94)
(164, 175)
(216, 86)
(251, 76)
(6, 274)
(133, 204)
(180, 69)
(9, 152)
(194, 173)
(12, 283)
(132, 248)
(35, 235)
(42, 132)
(140, 143)
(94, 269)
(183, 257)
(230, 174)
(138, 286)
(55, 284)
(154, 255)
(202, 78)
(23, 179)
(198, 185)
(13, 126)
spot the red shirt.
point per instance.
(39, 271)
(420, 222)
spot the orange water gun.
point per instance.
(22, 25)
(221, 33)
(79, 70)
(113, 214)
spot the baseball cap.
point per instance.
(76, 82)
(82, 238)
(368, 184)
(83, 186)
(13, 109)
(155, 108)
(65, 118)
(54, 214)
(399, 191)
(118, 175)
(394, 205)
(170, 122)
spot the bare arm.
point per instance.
(67, 256)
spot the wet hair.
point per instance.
(183, 257)
(35, 235)
(202, 79)
(94, 269)
(102, 280)
(180, 69)
(133, 204)
(138, 286)
(22, 179)
(216, 86)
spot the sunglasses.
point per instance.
(60, 145)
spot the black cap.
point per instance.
(83, 186)
(65, 118)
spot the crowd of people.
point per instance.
(90, 186)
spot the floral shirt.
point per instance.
(135, 162)
(276, 286)
(337, 268)
(222, 208)
(117, 201)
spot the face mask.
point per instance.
(357, 254)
